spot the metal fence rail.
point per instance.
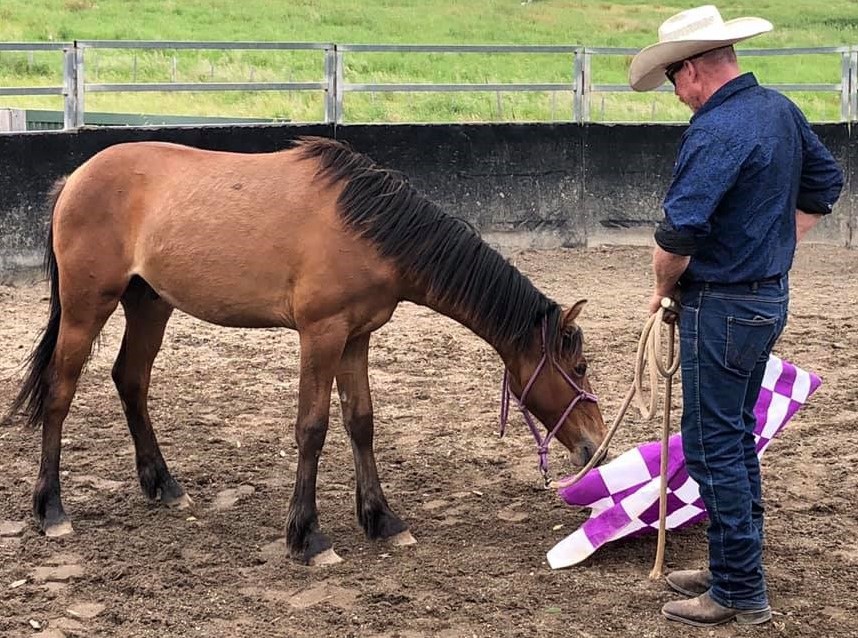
(574, 83)
(847, 87)
(334, 85)
(29, 47)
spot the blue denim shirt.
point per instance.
(746, 162)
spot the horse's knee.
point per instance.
(310, 434)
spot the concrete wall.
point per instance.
(536, 185)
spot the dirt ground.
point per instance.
(223, 403)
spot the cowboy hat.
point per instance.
(685, 35)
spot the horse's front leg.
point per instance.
(321, 350)
(373, 512)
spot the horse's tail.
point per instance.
(33, 395)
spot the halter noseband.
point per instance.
(506, 393)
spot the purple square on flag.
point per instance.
(603, 528)
(650, 514)
(591, 488)
(651, 454)
(678, 479)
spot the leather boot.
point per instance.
(691, 582)
(705, 612)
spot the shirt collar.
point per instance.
(744, 81)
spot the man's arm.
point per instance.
(804, 222)
(667, 268)
(701, 176)
(821, 179)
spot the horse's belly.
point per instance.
(238, 317)
(234, 304)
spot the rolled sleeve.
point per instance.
(674, 240)
(821, 178)
(705, 170)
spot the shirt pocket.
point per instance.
(748, 341)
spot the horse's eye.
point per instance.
(581, 369)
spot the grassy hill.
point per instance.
(802, 23)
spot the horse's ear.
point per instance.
(570, 315)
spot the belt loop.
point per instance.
(755, 286)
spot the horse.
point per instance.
(316, 238)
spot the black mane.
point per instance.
(443, 253)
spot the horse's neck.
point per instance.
(507, 352)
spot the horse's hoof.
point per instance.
(62, 528)
(327, 557)
(181, 502)
(402, 539)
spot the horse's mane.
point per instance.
(443, 253)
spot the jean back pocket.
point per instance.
(748, 340)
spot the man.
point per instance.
(750, 180)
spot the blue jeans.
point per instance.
(727, 332)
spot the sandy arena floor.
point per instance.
(223, 403)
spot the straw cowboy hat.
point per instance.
(685, 35)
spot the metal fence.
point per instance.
(333, 85)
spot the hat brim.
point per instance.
(647, 68)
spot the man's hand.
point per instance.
(655, 301)
(667, 268)
(671, 312)
(804, 222)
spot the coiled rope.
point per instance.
(649, 355)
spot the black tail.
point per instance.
(33, 395)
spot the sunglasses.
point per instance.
(672, 69)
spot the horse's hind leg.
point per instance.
(321, 349)
(373, 512)
(146, 317)
(81, 321)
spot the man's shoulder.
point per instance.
(774, 97)
(757, 110)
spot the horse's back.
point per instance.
(232, 238)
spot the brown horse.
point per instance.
(315, 238)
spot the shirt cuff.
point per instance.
(813, 204)
(675, 240)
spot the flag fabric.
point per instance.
(623, 495)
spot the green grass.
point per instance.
(624, 23)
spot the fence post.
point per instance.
(13, 120)
(586, 76)
(331, 113)
(341, 83)
(846, 86)
(73, 87)
(853, 86)
(69, 88)
(577, 84)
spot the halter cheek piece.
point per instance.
(506, 393)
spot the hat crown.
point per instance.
(696, 23)
(688, 34)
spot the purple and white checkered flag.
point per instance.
(623, 494)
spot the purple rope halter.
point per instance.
(506, 393)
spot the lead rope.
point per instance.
(649, 354)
